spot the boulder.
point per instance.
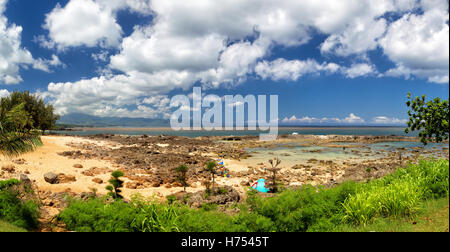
(97, 180)
(51, 178)
(9, 168)
(62, 178)
(77, 166)
(25, 179)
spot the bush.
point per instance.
(20, 213)
(305, 209)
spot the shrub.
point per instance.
(95, 215)
(14, 210)
(182, 170)
(304, 209)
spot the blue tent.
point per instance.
(260, 186)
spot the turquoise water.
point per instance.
(373, 131)
(301, 154)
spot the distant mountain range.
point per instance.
(96, 121)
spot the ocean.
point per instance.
(373, 131)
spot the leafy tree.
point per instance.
(15, 138)
(22, 117)
(211, 166)
(182, 170)
(115, 184)
(42, 116)
(430, 118)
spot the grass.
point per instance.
(399, 194)
(6, 227)
(433, 217)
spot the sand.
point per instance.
(46, 159)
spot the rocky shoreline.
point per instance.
(148, 163)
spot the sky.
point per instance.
(349, 62)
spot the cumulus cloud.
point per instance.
(110, 94)
(229, 41)
(418, 43)
(388, 120)
(282, 69)
(358, 70)
(82, 22)
(88, 23)
(351, 119)
(13, 55)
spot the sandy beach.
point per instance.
(46, 159)
(87, 162)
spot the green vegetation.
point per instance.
(211, 166)
(23, 117)
(399, 194)
(115, 184)
(182, 170)
(430, 118)
(13, 209)
(433, 217)
(37, 114)
(6, 227)
(349, 206)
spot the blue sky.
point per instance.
(345, 63)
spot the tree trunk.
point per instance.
(213, 184)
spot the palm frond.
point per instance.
(14, 143)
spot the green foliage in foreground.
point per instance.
(308, 209)
(23, 214)
(399, 194)
(433, 217)
(6, 227)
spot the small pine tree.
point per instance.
(115, 185)
(182, 170)
(211, 166)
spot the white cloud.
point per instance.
(12, 54)
(82, 22)
(88, 23)
(109, 94)
(351, 119)
(3, 92)
(419, 43)
(359, 70)
(388, 120)
(282, 69)
(45, 64)
(101, 56)
(149, 50)
(361, 34)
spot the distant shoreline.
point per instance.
(125, 128)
